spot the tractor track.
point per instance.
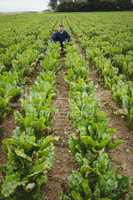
(64, 161)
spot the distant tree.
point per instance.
(110, 4)
(124, 4)
(93, 5)
(65, 1)
(53, 4)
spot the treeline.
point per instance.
(92, 5)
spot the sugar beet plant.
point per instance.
(107, 43)
(95, 179)
(12, 82)
(20, 53)
(30, 151)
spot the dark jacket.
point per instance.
(61, 37)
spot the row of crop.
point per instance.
(95, 179)
(19, 34)
(34, 39)
(30, 151)
(113, 38)
(13, 81)
(122, 89)
(14, 51)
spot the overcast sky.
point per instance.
(23, 5)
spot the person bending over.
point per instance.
(61, 36)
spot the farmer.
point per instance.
(61, 36)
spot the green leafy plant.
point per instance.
(30, 153)
(95, 178)
(29, 160)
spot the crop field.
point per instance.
(66, 119)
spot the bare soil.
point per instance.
(64, 161)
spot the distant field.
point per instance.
(63, 114)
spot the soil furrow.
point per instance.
(64, 161)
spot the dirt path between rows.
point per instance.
(64, 161)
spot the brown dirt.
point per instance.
(8, 125)
(33, 75)
(64, 162)
(122, 157)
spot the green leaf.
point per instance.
(115, 144)
(87, 140)
(20, 153)
(76, 195)
(86, 188)
(10, 184)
